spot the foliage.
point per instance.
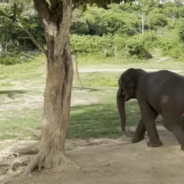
(12, 60)
(135, 47)
(181, 31)
(96, 32)
(148, 5)
(15, 15)
(97, 21)
(157, 20)
(172, 47)
(90, 44)
(15, 58)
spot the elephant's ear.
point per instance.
(128, 81)
(121, 82)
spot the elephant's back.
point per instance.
(165, 90)
(172, 94)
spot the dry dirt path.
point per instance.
(118, 161)
(118, 70)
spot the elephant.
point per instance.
(157, 93)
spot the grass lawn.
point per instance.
(98, 119)
(21, 99)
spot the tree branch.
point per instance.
(54, 3)
(64, 28)
(78, 4)
(42, 7)
(3, 14)
(25, 30)
(32, 38)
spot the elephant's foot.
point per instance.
(157, 143)
(182, 147)
(137, 139)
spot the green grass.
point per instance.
(109, 79)
(94, 120)
(21, 124)
(154, 63)
(98, 119)
(31, 70)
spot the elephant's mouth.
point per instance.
(127, 97)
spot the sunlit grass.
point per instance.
(94, 120)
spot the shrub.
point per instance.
(13, 58)
(149, 39)
(181, 32)
(85, 45)
(156, 20)
(136, 48)
(173, 47)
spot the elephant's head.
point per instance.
(128, 82)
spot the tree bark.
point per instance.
(57, 95)
(56, 115)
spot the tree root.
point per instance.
(38, 162)
(27, 148)
(22, 161)
(66, 160)
(31, 166)
(33, 162)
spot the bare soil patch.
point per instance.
(22, 101)
(111, 161)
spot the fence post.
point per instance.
(115, 52)
(105, 52)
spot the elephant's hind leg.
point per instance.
(148, 117)
(139, 132)
(175, 125)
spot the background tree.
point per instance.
(94, 31)
(19, 22)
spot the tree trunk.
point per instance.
(56, 115)
(56, 20)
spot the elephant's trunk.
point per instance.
(121, 107)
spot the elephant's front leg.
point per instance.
(148, 118)
(140, 130)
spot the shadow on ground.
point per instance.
(11, 93)
(100, 120)
(88, 89)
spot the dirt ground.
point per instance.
(114, 161)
